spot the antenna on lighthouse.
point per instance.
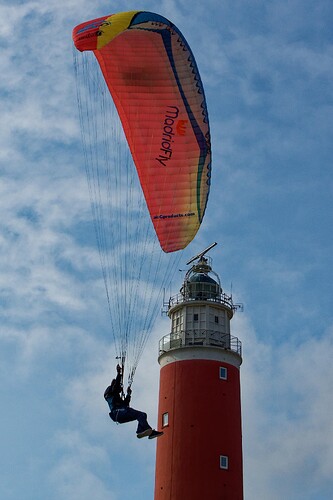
(201, 254)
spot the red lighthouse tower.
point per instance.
(200, 455)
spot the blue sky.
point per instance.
(267, 71)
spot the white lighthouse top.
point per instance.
(200, 317)
(198, 284)
(201, 283)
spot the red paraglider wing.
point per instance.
(154, 81)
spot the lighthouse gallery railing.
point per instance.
(211, 338)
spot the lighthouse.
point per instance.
(199, 456)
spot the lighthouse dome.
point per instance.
(201, 286)
(201, 278)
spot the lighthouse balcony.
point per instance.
(206, 296)
(208, 338)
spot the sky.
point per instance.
(267, 71)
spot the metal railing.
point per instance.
(178, 340)
(221, 298)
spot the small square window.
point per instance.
(223, 373)
(224, 462)
(195, 317)
(216, 319)
(165, 419)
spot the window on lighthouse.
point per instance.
(165, 419)
(224, 462)
(177, 323)
(223, 373)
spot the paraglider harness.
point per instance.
(116, 391)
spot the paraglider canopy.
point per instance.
(154, 81)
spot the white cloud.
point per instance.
(72, 478)
(287, 407)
